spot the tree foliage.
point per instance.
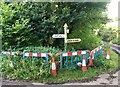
(34, 24)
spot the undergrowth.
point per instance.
(36, 69)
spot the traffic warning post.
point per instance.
(91, 59)
(84, 68)
(108, 56)
(54, 71)
(90, 62)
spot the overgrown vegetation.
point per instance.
(28, 68)
(116, 41)
(36, 69)
(25, 69)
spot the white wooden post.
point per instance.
(65, 33)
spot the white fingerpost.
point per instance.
(66, 30)
(65, 33)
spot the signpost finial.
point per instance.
(65, 25)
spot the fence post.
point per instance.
(2, 53)
(76, 59)
(61, 59)
(72, 61)
(46, 58)
(66, 62)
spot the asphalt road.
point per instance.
(103, 79)
(116, 48)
